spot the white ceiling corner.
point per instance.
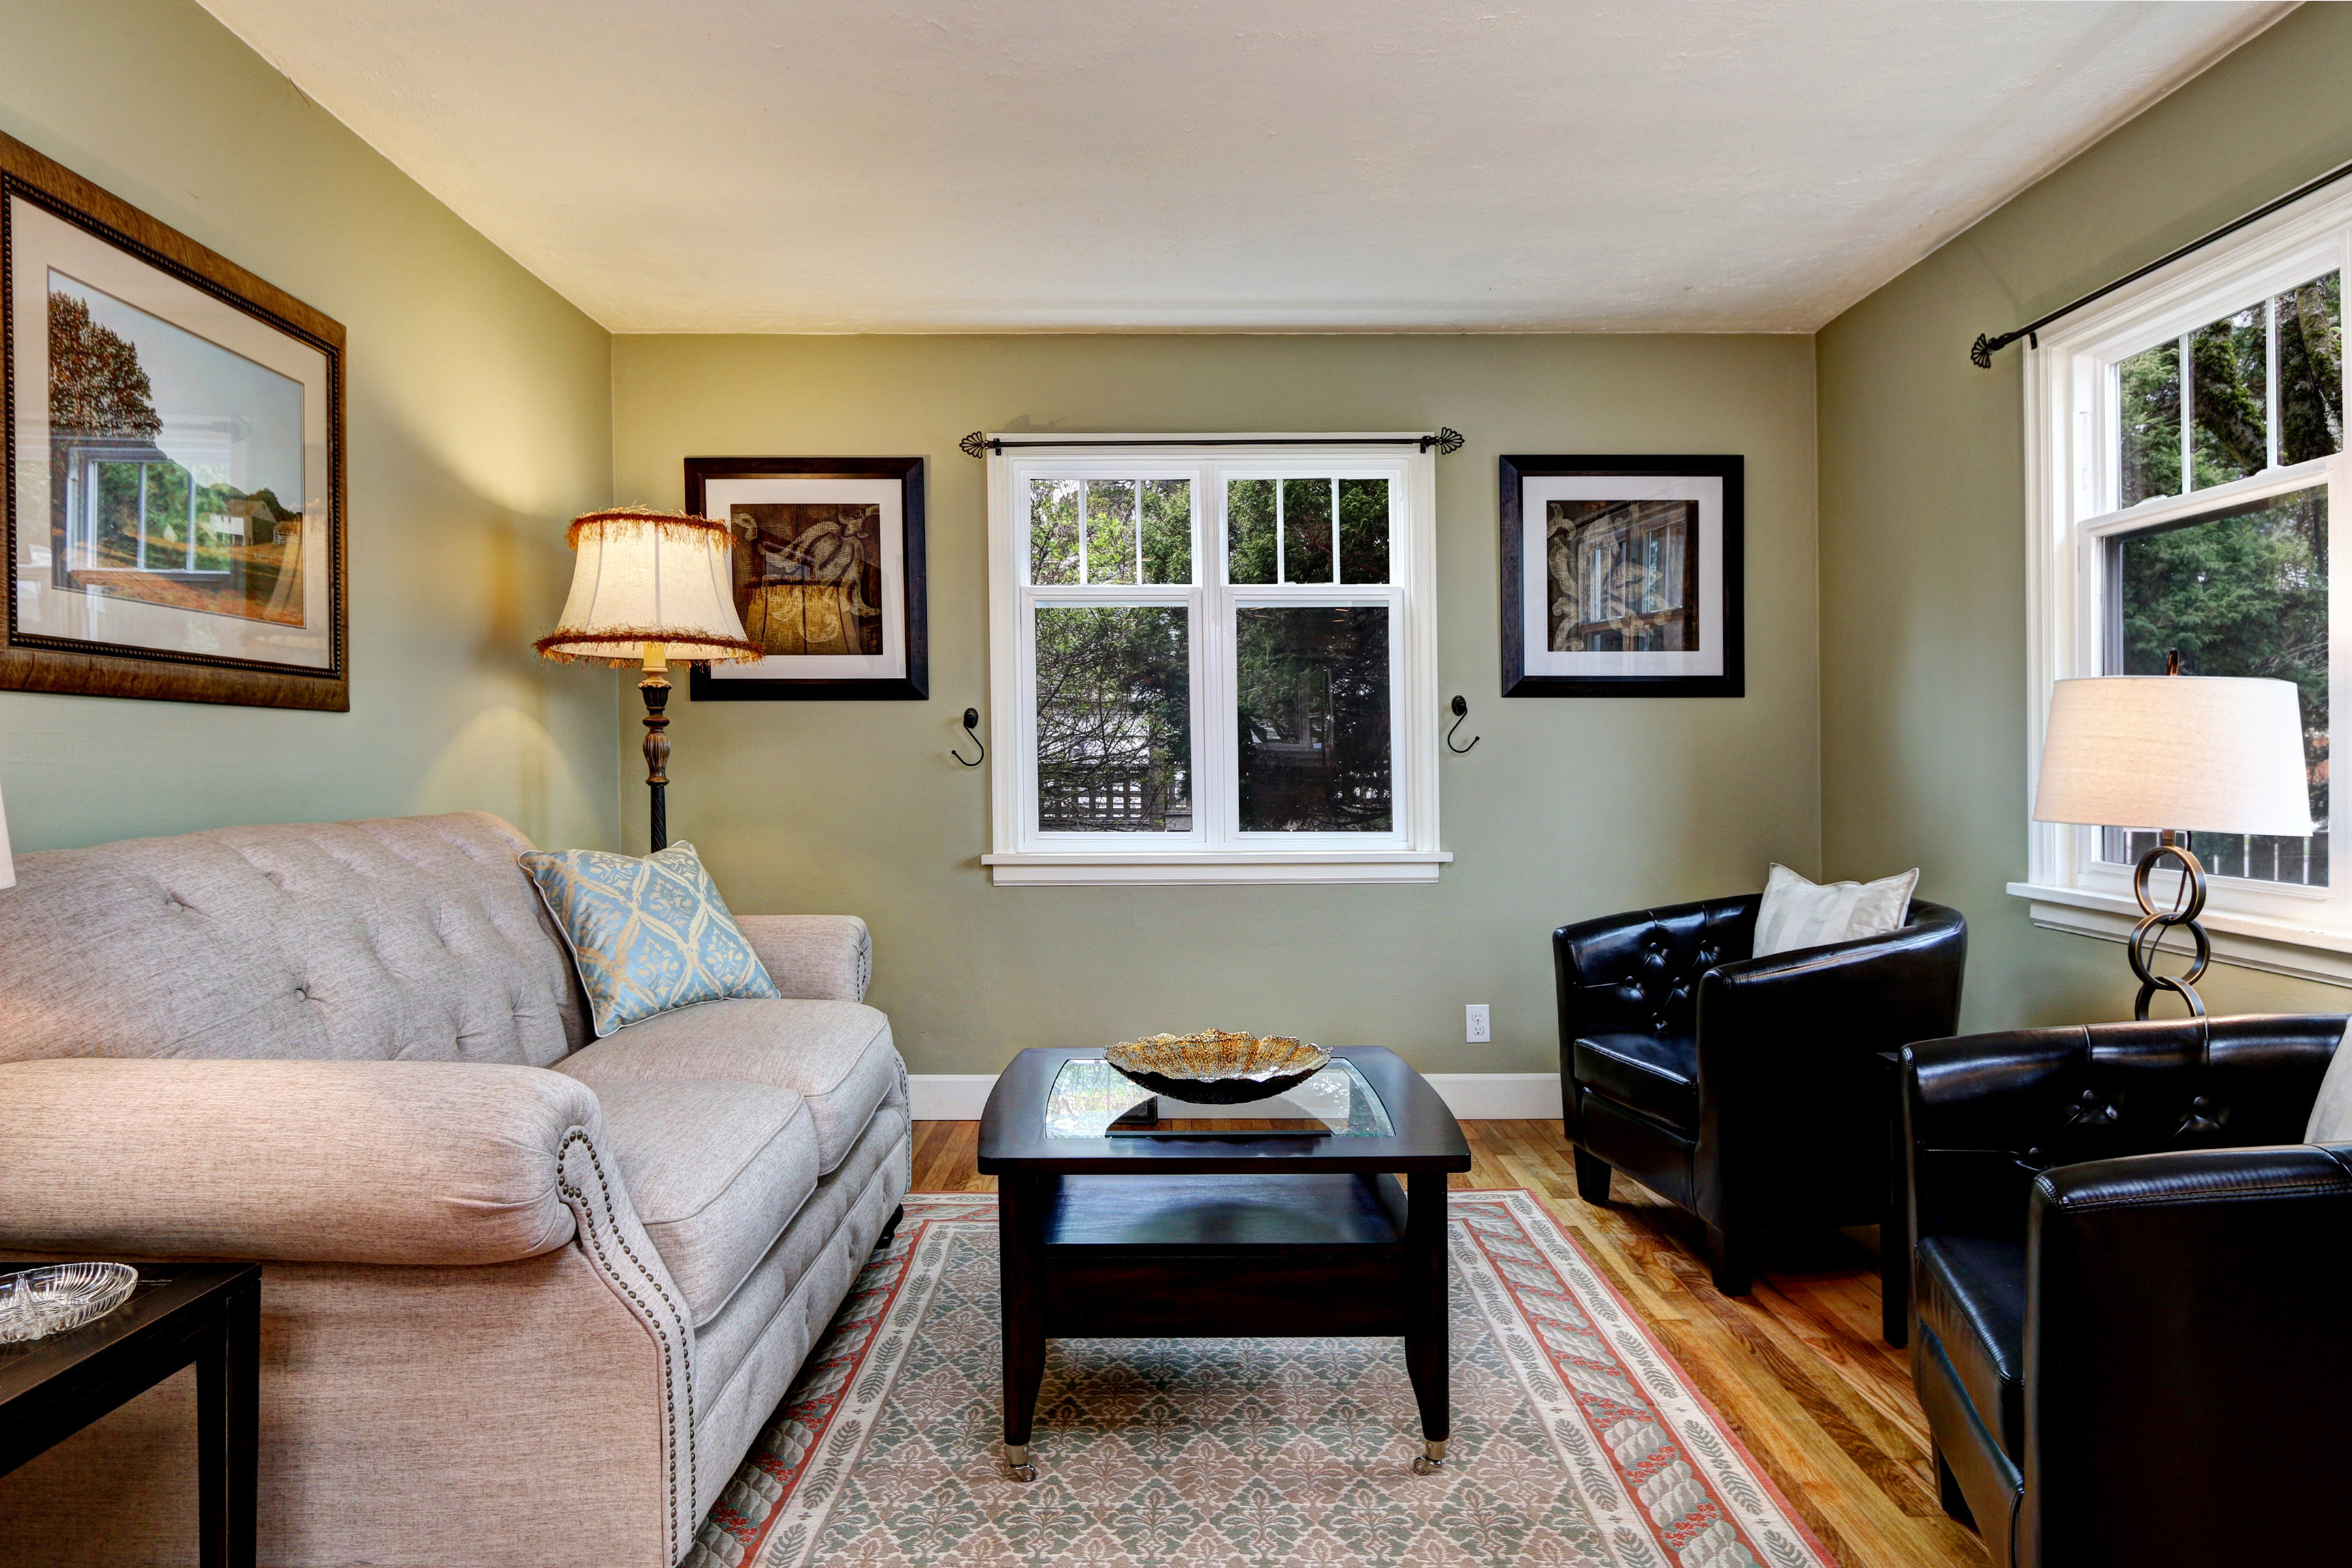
(957, 165)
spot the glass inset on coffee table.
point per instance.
(1122, 1213)
(1092, 1099)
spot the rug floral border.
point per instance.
(1665, 1478)
(1676, 1473)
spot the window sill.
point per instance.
(1128, 868)
(2248, 941)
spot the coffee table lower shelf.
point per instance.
(1217, 1255)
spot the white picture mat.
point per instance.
(720, 497)
(1535, 573)
(41, 241)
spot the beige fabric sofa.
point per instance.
(529, 1296)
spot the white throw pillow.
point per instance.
(1799, 912)
(2331, 1117)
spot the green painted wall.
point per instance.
(479, 418)
(1922, 520)
(1565, 810)
(1885, 725)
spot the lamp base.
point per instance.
(2147, 937)
(656, 689)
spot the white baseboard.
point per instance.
(1472, 1096)
(1498, 1096)
(949, 1096)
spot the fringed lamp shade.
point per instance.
(649, 586)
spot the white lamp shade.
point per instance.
(650, 577)
(2196, 753)
(8, 860)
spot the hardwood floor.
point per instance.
(1797, 1368)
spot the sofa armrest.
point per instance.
(2182, 1306)
(1894, 988)
(1778, 1033)
(816, 958)
(344, 1162)
(1962, 1161)
(1794, 1105)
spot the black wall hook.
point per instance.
(972, 728)
(1460, 712)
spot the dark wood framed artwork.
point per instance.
(828, 576)
(176, 507)
(1623, 576)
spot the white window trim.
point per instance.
(1409, 854)
(2071, 428)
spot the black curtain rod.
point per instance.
(1981, 351)
(1447, 441)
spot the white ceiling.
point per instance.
(953, 165)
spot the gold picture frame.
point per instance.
(175, 461)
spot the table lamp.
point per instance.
(649, 588)
(2201, 753)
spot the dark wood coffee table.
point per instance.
(1111, 1225)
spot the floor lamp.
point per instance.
(2202, 753)
(650, 589)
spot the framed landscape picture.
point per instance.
(828, 576)
(174, 461)
(1622, 576)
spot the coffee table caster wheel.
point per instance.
(1017, 1467)
(1432, 1457)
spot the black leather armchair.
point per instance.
(1747, 1091)
(2130, 1319)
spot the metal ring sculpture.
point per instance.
(2147, 937)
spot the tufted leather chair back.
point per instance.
(1988, 1113)
(413, 938)
(1640, 975)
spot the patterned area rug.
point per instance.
(1576, 1439)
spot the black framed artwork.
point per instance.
(174, 433)
(828, 576)
(1622, 576)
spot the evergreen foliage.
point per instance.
(96, 386)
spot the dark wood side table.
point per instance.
(1111, 1228)
(203, 1314)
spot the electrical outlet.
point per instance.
(1477, 1027)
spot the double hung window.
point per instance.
(2185, 442)
(1213, 664)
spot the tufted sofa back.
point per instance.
(414, 938)
(1640, 975)
(1988, 1113)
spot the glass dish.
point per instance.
(56, 1297)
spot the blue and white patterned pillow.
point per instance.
(647, 935)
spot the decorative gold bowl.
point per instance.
(1218, 1066)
